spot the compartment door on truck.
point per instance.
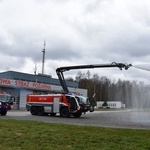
(56, 105)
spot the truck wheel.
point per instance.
(77, 114)
(4, 112)
(33, 111)
(40, 111)
(64, 112)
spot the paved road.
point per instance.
(117, 119)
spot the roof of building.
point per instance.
(40, 78)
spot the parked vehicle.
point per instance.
(6, 103)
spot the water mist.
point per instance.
(140, 98)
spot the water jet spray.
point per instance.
(141, 67)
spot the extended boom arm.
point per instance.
(60, 70)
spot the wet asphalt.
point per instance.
(134, 119)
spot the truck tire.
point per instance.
(77, 114)
(40, 111)
(4, 112)
(64, 112)
(33, 110)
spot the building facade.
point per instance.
(20, 85)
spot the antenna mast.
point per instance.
(35, 69)
(43, 60)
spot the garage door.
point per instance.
(23, 96)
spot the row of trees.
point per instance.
(133, 94)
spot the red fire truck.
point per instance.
(52, 104)
(65, 104)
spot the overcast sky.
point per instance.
(76, 32)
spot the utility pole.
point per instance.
(43, 60)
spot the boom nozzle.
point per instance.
(127, 66)
(121, 65)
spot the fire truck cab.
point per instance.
(64, 104)
(84, 103)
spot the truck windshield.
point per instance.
(82, 99)
(5, 98)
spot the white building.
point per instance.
(111, 104)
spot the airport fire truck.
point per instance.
(85, 103)
(65, 104)
(6, 103)
(52, 104)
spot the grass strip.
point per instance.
(33, 135)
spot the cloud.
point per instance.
(76, 32)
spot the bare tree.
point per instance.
(132, 93)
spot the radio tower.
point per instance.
(43, 60)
